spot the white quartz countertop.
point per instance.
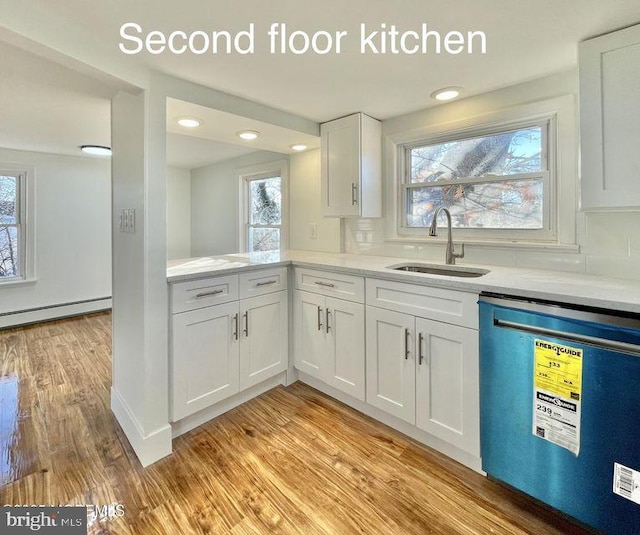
(572, 288)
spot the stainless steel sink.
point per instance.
(434, 269)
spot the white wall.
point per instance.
(304, 198)
(178, 213)
(214, 203)
(609, 242)
(73, 233)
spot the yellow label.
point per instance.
(558, 369)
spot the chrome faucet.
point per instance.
(451, 255)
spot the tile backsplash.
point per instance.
(609, 245)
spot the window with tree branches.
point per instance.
(11, 235)
(496, 181)
(265, 214)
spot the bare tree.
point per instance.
(483, 156)
(8, 230)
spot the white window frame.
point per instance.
(257, 172)
(558, 226)
(547, 175)
(26, 224)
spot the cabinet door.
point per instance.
(204, 357)
(263, 337)
(447, 401)
(344, 325)
(340, 165)
(310, 342)
(609, 126)
(391, 366)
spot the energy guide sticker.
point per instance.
(557, 394)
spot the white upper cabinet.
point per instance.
(610, 120)
(351, 162)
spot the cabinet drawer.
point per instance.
(264, 281)
(348, 287)
(450, 306)
(201, 293)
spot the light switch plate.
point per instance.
(128, 220)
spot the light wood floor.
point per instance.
(290, 461)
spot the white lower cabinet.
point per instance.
(419, 369)
(219, 350)
(391, 368)
(426, 373)
(205, 357)
(447, 399)
(329, 341)
(420, 365)
(263, 338)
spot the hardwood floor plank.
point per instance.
(292, 461)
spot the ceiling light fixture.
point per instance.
(298, 147)
(189, 122)
(248, 135)
(96, 150)
(447, 93)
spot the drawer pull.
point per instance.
(265, 283)
(326, 284)
(206, 294)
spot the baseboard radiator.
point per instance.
(52, 312)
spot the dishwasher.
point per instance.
(560, 407)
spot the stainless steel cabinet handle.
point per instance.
(235, 326)
(420, 355)
(246, 323)
(213, 292)
(327, 320)
(354, 194)
(406, 344)
(327, 284)
(319, 318)
(266, 283)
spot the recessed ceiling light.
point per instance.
(189, 122)
(298, 147)
(248, 135)
(96, 150)
(447, 93)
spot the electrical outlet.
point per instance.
(313, 231)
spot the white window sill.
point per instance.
(491, 244)
(12, 283)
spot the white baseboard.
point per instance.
(149, 447)
(437, 444)
(36, 315)
(191, 422)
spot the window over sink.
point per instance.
(508, 175)
(495, 181)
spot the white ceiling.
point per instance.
(46, 107)
(525, 40)
(188, 152)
